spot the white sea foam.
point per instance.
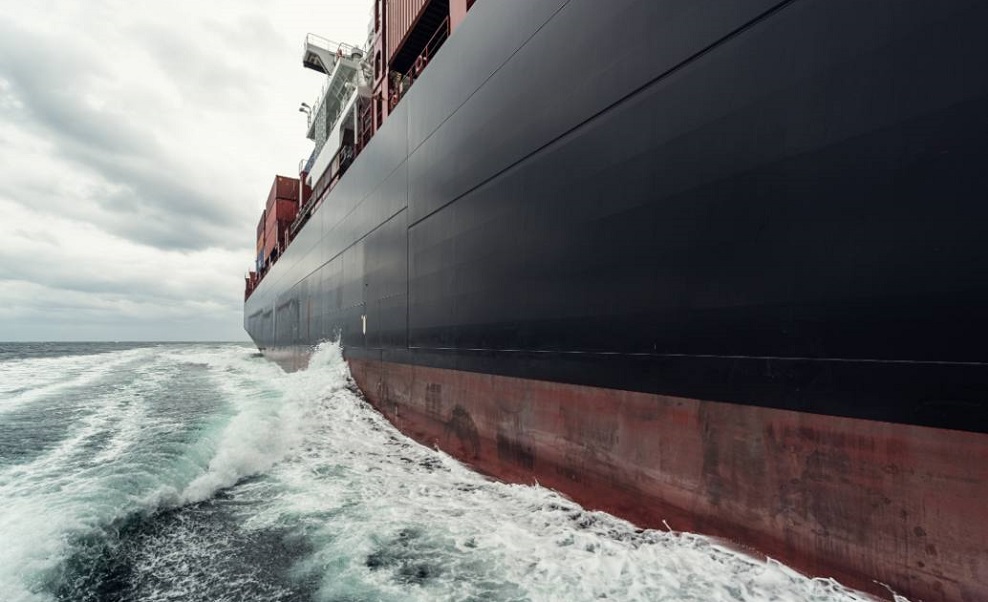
(413, 524)
(29, 380)
(117, 458)
(383, 518)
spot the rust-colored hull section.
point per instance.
(861, 501)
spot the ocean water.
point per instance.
(204, 472)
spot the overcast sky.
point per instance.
(138, 141)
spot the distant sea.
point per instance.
(202, 472)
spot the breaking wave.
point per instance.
(202, 472)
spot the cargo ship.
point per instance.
(721, 266)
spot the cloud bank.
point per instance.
(137, 144)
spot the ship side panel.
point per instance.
(331, 283)
(352, 295)
(377, 163)
(387, 285)
(682, 218)
(681, 222)
(481, 45)
(319, 283)
(577, 64)
(779, 220)
(699, 273)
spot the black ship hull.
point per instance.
(769, 206)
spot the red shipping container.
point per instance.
(279, 213)
(276, 230)
(270, 235)
(286, 188)
(401, 15)
(261, 223)
(261, 226)
(284, 211)
(270, 242)
(283, 188)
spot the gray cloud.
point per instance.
(204, 78)
(136, 150)
(44, 315)
(155, 206)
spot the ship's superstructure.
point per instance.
(361, 89)
(716, 266)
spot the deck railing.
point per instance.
(401, 82)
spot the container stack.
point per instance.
(279, 213)
(259, 263)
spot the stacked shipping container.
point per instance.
(279, 213)
(401, 16)
(274, 227)
(259, 251)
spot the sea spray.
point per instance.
(203, 472)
